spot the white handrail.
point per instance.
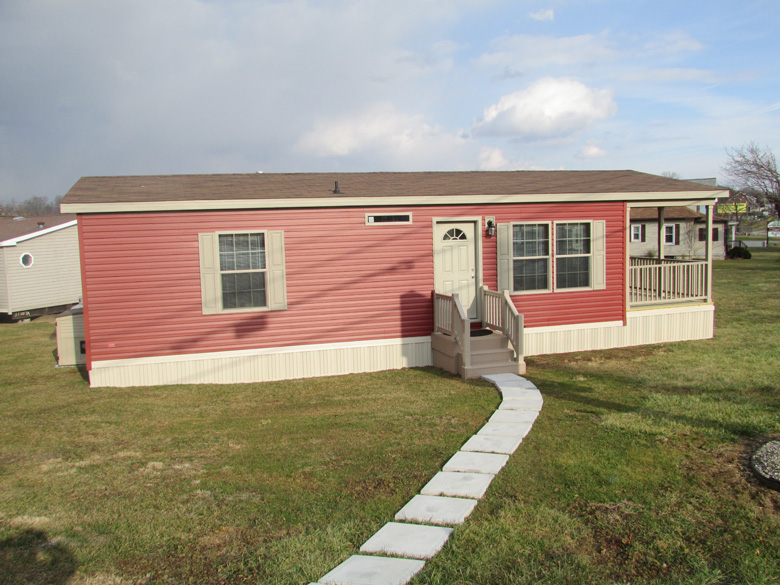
(654, 281)
(450, 318)
(499, 312)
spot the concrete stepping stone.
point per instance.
(509, 381)
(470, 461)
(407, 540)
(367, 570)
(492, 444)
(507, 429)
(439, 510)
(514, 416)
(457, 484)
(514, 393)
(522, 403)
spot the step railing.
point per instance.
(450, 318)
(500, 313)
(664, 281)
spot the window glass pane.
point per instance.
(572, 272)
(455, 234)
(531, 274)
(241, 290)
(242, 252)
(572, 238)
(530, 240)
(227, 259)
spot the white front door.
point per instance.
(454, 263)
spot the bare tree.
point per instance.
(753, 168)
(31, 207)
(688, 238)
(671, 175)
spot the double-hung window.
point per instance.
(531, 256)
(242, 271)
(572, 255)
(672, 233)
(551, 256)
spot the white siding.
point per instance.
(689, 245)
(662, 325)
(265, 365)
(646, 326)
(3, 283)
(54, 277)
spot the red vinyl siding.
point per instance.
(346, 281)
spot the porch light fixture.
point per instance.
(490, 226)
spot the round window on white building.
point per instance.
(26, 260)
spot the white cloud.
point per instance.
(671, 75)
(544, 14)
(670, 44)
(592, 150)
(491, 158)
(537, 51)
(379, 128)
(549, 108)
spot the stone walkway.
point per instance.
(422, 526)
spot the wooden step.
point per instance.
(495, 340)
(491, 356)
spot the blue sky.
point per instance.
(111, 87)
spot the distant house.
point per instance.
(256, 277)
(39, 265)
(684, 233)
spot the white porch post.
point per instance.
(661, 233)
(709, 253)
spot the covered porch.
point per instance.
(661, 281)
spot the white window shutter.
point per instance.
(504, 255)
(209, 274)
(276, 285)
(599, 255)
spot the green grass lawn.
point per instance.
(634, 472)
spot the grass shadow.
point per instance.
(679, 411)
(29, 557)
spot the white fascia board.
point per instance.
(35, 234)
(647, 199)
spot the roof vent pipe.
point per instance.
(336, 189)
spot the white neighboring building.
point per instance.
(685, 233)
(39, 265)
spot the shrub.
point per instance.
(738, 253)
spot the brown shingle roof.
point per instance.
(11, 227)
(640, 213)
(381, 185)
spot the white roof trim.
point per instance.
(36, 233)
(651, 198)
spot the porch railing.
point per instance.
(499, 312)
(660, 281)
(450, 318)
